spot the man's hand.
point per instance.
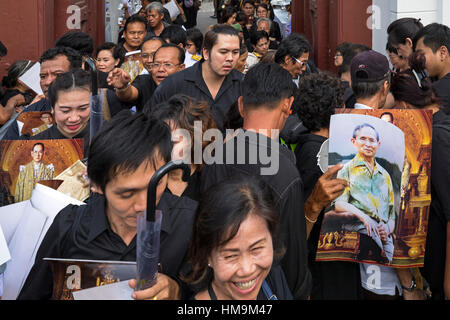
(417, 294)
(165, 289)
(326, 190)
(383, 231)
(370, 224)
(118, 78)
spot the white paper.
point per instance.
(5, 256)
(31, 78)
(10, 217)
(38, 214)
(172, 8)
(116, 291)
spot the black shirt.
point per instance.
(190, 82)
(53, 133)
(287, 188)
(84, 232)
(442, 89)
(435, 252)
(146, 86)
(13, 130)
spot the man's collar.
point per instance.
(359, 161)
(100, 221)
(362, 106)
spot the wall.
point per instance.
(28, 28)
(387, 11)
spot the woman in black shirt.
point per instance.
(233, 246)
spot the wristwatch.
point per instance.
(411, 287)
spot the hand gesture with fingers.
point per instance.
(118, 78)
(165, 289)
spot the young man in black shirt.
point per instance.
(265, 104)
(213, 79)
(120, 169)
(434, 42)
(167, 60)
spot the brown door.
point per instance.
(326, 23)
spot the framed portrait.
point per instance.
(35, 122)
(381, 217)
(24, 163)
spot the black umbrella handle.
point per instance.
(90, 65)
(151, 193)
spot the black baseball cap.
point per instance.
(369, 66)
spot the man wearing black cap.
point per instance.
(370, 79)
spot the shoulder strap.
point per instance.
(211, 292)
(268, 292)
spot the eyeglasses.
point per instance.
(164, 65)
(146, 55)
(300, 62)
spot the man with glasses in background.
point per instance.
(168, 59)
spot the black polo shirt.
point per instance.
(190, 82)
(287, 188)
(146, 86)
(442, 89)
(13, 130)
(435, 251)
(53, 133)
(84, 232)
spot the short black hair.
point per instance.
(225, 14)
(115, 49)
(196, 36)
(401, 29)
(388, 114)
(255, 36)
(72, 55)
(293, 46)
(38, 144)
(133, 19)
(181, 53)
(317, 97)
(265, 85)
(435, 35)
(68, 81)
(252, 2)
(77, 40)
(348, 55)
(211, 37)
(3, 50)
(175, 34)
(124, 143)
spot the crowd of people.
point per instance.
(231, 231)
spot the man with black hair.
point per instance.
(265, 104)
(134, 33)
(213, 79)
(105, 229)
(54, 62)
(77, 40)
(434, 42)
(167, 60)
(176, 35)
(293, 55)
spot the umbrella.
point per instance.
(96, 99)
(149, 228)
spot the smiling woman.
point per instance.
(233, 244)
(69, 95)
